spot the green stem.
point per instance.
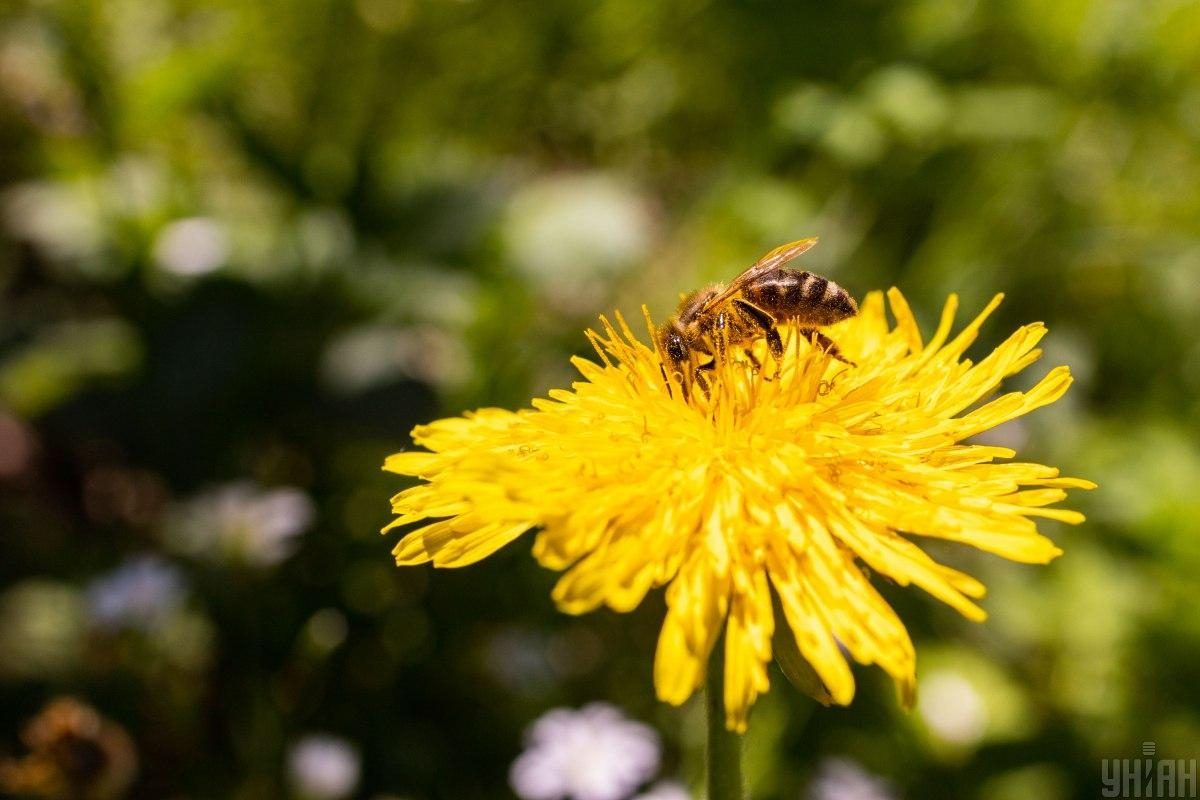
(724, 752)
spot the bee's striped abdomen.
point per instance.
(802, 296)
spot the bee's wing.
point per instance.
(772, 260)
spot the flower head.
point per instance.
(142, 593)
(324, 767)
(842, 779)
(665, 790)
(595, 753)
(242, 522)
(760, 486)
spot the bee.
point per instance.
(709, 321)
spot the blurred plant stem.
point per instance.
(723, 755)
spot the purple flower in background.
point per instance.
(843, 779)
(324, 767)
(142, 593)
(665, 790)
(595, 753)
(242, 522)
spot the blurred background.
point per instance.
(246, 246)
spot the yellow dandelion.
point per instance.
(757, 488)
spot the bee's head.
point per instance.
(672, 342)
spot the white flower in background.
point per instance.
(324, 767)
(62, 219)
(665, 790)
(242, 522)
(595, 753)
(843, 779)
(143, 593)
(371, 355)
(953, 707)
(571, 234)
(191, 247)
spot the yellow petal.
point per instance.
(748, 635)
(696, 604)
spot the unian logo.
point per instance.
(1148, 776)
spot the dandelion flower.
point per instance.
(791, 487)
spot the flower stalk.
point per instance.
(723, 753)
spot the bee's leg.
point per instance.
(825, 343)
(754, 362)
(701, 373)
(775, 344)
(764, 321)
(720, 336)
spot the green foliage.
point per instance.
(250, 245)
